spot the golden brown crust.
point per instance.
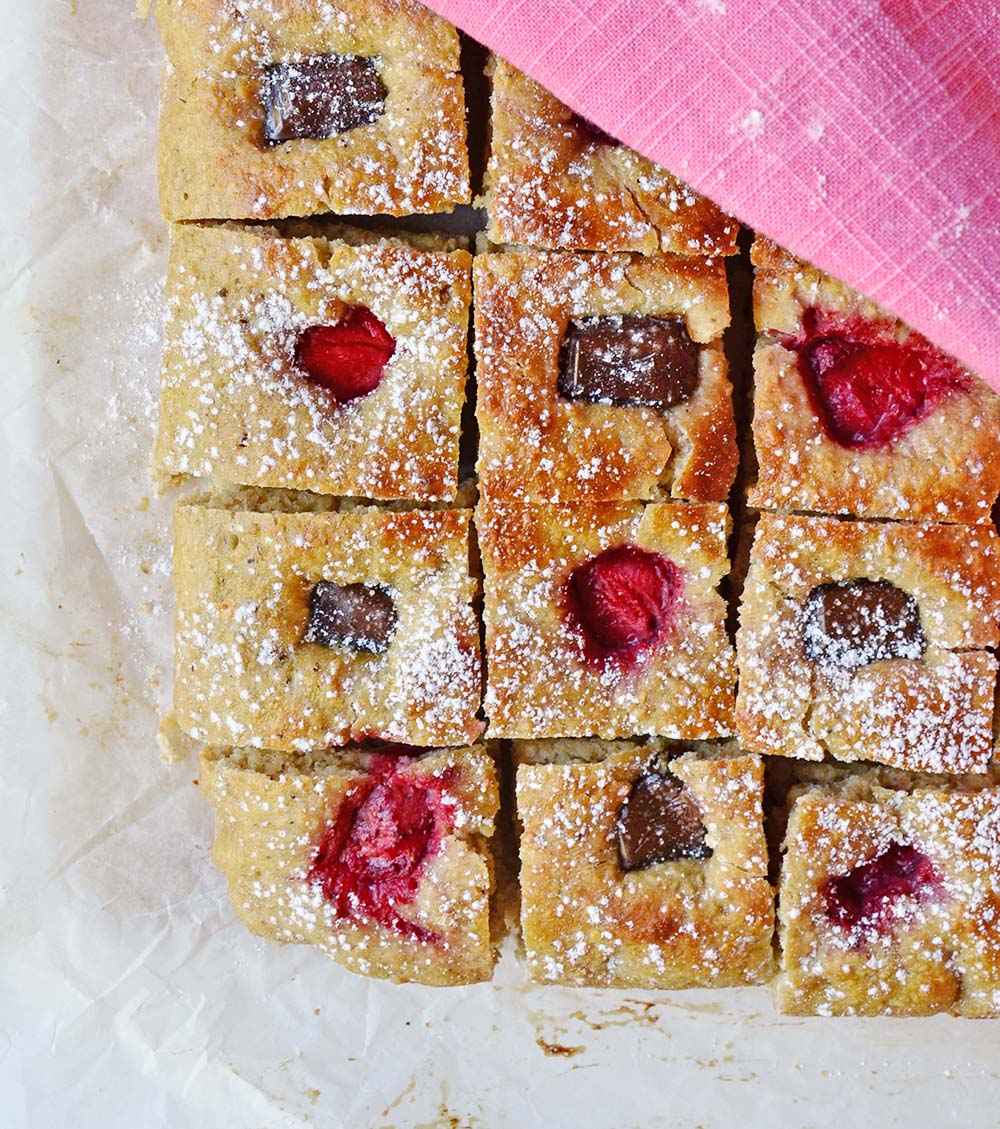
(234, 403)
(932, 715)
(765, 252)
(242, 670)
(270, 814)
(946, 467)
(541, 683)
(691, 923)
(214, 163)
(537, 446)
(942, 952)
(202, 35)
(549, 187)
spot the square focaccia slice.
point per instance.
(889, 897)
(643, 865)
(855, 413)
(332, 365)
(304, 630)
(603, 377)
(869, 642)
(554, 180)
(298, 107)
(603, 619)
(381, 860)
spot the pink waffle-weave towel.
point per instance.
(862, 136)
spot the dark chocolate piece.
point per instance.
(856, 622)
(629, 360)
(360, 617)
(320, 97)
(659, 822)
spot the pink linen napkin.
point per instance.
(863, 136)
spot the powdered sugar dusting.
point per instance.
(946, 467)
(217, 161)
(933, 714)
(704, 922)
(934, 949)
(234, 403)
(536, 445)
(552, 185)
(245, 675)
(271, 814)
(541, 682)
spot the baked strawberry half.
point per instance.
(371, 857)
(347, 359)
(623, 601)
(867, 388)
(867, 896)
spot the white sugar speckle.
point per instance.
(752, 126)
(816, 129)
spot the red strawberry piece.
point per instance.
(349, 358)
(865, 896)
(869, 389)
(371, 857)
(623, 600)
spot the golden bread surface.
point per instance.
(938, 950)
(234, 402)
(270, 814)
(945, 467)
(681, 924)
(551, 184)
(540, 681)
(537, 446)
(933, 714)
(243, 670)
(214, 160)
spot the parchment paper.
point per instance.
(129, 994)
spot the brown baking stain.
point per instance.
(745, 1076)
(557, 1049)
(400, 1097)
(443, 1118)
(448, 1120)
(628, 1013)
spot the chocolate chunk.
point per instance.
(630, 360)
(320, 97)
(856, 622)
(357, 616)
(659, 822)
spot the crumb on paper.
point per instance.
(142, 9)
(174, 745)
